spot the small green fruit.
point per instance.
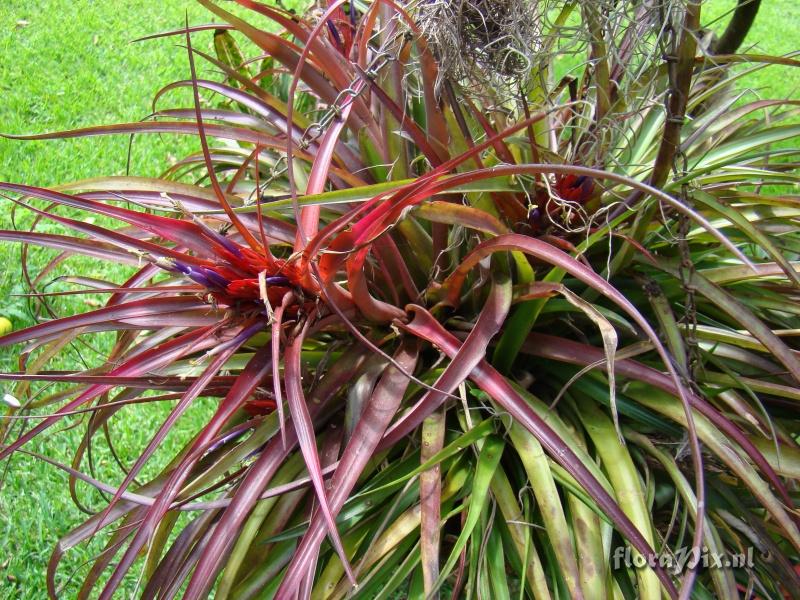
(5, 326)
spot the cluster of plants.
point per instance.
(469, 330)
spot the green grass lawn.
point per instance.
(65, 65)
(70, 64)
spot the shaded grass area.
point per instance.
(66, 65)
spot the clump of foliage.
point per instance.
(462, 334)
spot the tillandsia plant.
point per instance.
(482, 319)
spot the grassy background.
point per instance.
(66, 65)
(71, 64)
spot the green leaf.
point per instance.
(228, 52)
(488, 460)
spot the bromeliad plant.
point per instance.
(471, 330)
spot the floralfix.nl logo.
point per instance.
(682, 559)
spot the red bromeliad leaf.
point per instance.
(145, 382)
(136, 246)
(193, 392)
(70, 244)
(252, 376)
(183, 233)
(240, 134)
(374, 420)
(469, 355)
(309, 222)
(277, 48)
(308, 218)
(305, 436)
(258, 478)
(228, 270)
(182, 31)
(138, 308)
(278, 230)
(258, 106)
(235, 220)
(277, 323)
(151, 360)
